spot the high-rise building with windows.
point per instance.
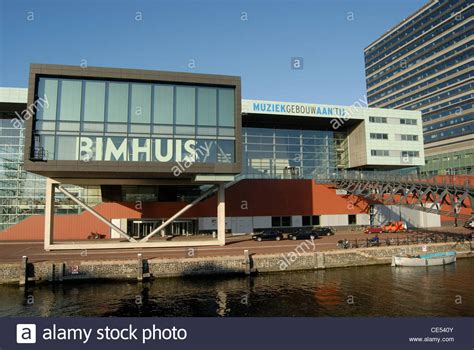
(426, 63)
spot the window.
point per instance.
(306, 220)
(315, 220)
(140, 110)
(185, 105)
(378, 120)
(281, 221)
(406, 121)
(66, 148)
(207, 106)
(91, 148)
(71, 92)
(377, 136)
(409, 137)
(116, 149)
(139, 149)
(47, 143)
(352, 219)
(94, 101)
(286, 221)
(226, 107)
(163, 104)
(311, 220)
(117, 106)
(276, 221)
(379, 153)
(48, 92)
(410, 154)
(225, 151)
(206, 151)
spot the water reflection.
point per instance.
(361, 291)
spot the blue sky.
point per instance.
(254, 39)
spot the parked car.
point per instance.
(324, 231)
(373, 229)
(395, 226)
(267, 235)
(303, 233)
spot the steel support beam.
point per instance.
(178, 214)
(96, 214)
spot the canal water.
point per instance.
(360, 291)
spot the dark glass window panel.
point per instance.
(276, 221)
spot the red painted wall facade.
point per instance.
(245, 198)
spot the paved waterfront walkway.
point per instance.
(13, 251)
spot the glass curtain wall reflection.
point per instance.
(128, 121)
(22, 194)
(289, 153)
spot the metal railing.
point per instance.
(458, 180)
(405, 240)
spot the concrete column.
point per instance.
(49, 214)
(221, 215)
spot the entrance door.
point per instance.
(183, 227)
(141, 229)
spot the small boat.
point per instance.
(432, 259)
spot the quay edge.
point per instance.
(56, 271)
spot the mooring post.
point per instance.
(146, 270)
(52, 275)
(24, 271)
(247, 262)
(140, 267)
(320, 260)
(58, 272)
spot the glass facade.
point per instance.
(127, 121)
(425, 64)
(451, 163)
(290, 153)
(268, 153)
(22, 193)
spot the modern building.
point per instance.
(425, 63)
(148, 154)
(22, 193)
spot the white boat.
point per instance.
(432, 259)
